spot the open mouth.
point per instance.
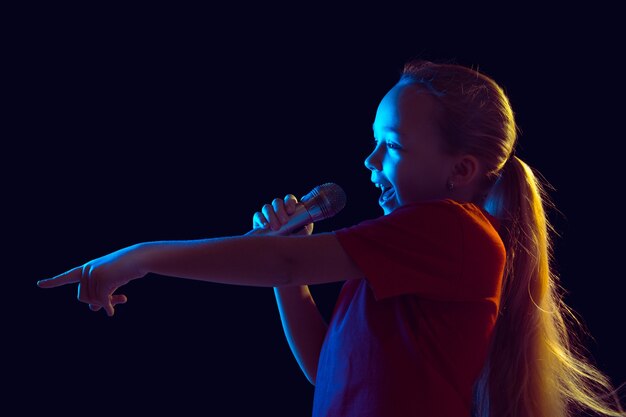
(387, 192)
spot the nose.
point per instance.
(372, 162)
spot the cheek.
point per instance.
(407, 191)
(395, 165)
(406, 182)
(413, 183)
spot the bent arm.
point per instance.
(304, 326)
(287, 263)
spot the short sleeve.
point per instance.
(417, 249)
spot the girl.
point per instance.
(449, 305)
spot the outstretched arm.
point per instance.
(268, 261)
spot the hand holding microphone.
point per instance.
(283, 217)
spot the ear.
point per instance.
(465, 170)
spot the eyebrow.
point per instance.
(388, 129)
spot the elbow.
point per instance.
(290, 271)
(279, 261)
(310, 374)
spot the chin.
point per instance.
(388, 208)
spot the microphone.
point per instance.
(320, 203)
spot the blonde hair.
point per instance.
(536, 366)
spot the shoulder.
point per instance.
(437, 220)
(436, 213)
(457, 223)
(448, 210)
(407, 229)
(443, 208)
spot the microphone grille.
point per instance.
(329, 197)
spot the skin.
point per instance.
(408, 157)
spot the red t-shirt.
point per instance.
(411, 337)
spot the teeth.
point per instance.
(386, 194)
(382, 187)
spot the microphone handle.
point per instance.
(297, 220)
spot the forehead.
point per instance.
(405, 108)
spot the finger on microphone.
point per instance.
(290, 203)
(320, 203)
(279, 208)
(270, 215)
(259, 221)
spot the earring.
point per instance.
(450, 185)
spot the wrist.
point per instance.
(141, 256)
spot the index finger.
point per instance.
(69, 277)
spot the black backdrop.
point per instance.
(137, 125)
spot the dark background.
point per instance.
(150, 124)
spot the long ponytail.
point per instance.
(536, 366)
